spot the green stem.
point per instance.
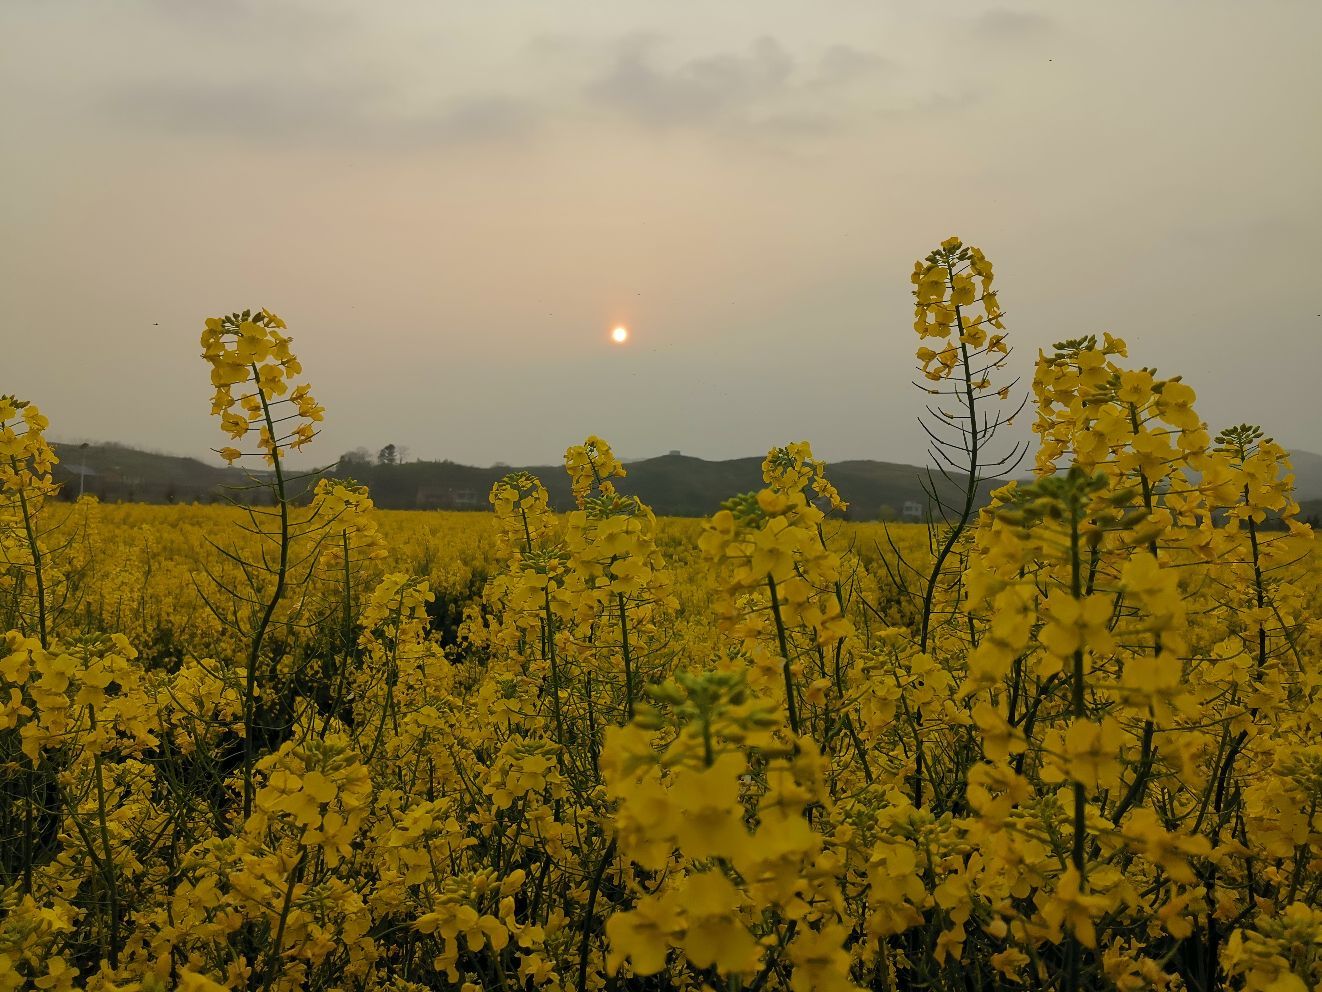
(790, 701)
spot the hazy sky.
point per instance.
(452, 203)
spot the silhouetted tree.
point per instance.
(359, 458)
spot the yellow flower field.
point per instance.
(1066, 741)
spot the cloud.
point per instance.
(250, 20)
(762, 89)
(335, 112)
(844, 64)
(259, 109)
(696, 91)
(1006, 24)
(481, 118)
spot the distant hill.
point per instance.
(120, 474)
(1310, 512)
(1307, 474)
(673, 485)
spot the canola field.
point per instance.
(1066, 741)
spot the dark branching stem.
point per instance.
(108, 856)
(259, 635)
(1078, 855)
(1146, 751)
(551, 657)
(34, 548)
(970, 488)
(584, 945)
(273, 958)
(1237, 745)
(39, 577)
(628, 658)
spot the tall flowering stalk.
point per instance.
(956, 308)
(260, 405)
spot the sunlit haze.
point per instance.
(447, 202)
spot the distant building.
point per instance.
(675, 451)
(913, 510)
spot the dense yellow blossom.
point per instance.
(1069, 740)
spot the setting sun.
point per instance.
(620, 334)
